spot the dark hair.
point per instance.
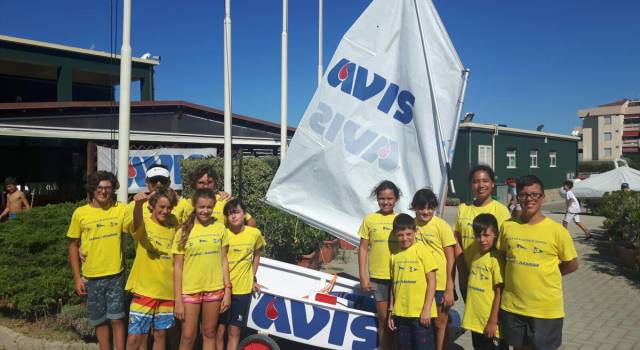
(232, 204)
(487, 169)
(187, 226)
(403, 222)
(161, 191)
(10, 181)
(101, 175)
(386, 185)
(424, 198)
(200, 171)
(484, 221)
(568, 183)
(529, 180)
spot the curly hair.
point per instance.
(200, 171)
(101, 175)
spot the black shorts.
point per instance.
(519, 330)
(238, 312)
(480, 342)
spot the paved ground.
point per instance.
(602, 298)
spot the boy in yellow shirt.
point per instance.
(95, 232)
(413, 278)
(245, 247)
(539, 251)
(485, 287)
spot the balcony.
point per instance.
(630, 143)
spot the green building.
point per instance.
(513, 153)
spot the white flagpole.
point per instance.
(283, 82)
(320, 41)
(227, 96)
(125, 103)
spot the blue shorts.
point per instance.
(238, 312)
(12, 216)
(439, 296)
(412, 335)
(145, 311)
(105, 298)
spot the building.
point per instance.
(610, 131)
(513, 153)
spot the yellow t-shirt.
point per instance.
(485, 273)
(202, 269)
(532, 279)
(377, 229)
(240, 256)
(409, 270)
(437, 235)
(464, 224)
(152, 271)
(217, 213)
(100, 234)
(181, 209)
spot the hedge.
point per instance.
(622, 215)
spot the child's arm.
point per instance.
(449, 253)
(178, 263)
(492, 324)
(5, 212)
(25, 201)
(425, 316)
(226, 300)
(567, 267)
(256, 263)
(74, 261)
(461, 266)
(363, 253)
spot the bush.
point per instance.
(76, 318)
(622, 212)
(595, 166)
(35, 278)
(287, 236)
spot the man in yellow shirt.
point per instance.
(95, 232)
(413, 278)
(539, 251)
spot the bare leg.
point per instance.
(134, 341)
(144, 344)
(104, 336)
(119, 333)
(220, 336)
(384, 334)
(189, 326)
(159, 339)
(234, 337)
(584, 229)
(210, 315)
(441, 327)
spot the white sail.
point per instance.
(385, 109)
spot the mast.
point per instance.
(124, 109)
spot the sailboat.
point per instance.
(387, 108)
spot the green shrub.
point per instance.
(595, 166)
(76, 318)
(622, 212)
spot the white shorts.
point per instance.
(568, 217)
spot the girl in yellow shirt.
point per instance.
(245, 247)
(374, 254)
(150, 277)
(201, 272)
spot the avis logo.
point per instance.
(358, 141)
(353, 81)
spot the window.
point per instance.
(485, 155)
(553, 156)
(607, 136)
(607, 120)
(607, 152)
(511, 159)
(533, 159)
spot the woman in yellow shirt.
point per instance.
(201, 272)
(150, 278)
(374, 254)
(245, 247)
(482, 183)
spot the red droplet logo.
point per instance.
(384, 151)
(132, 171)
(271, 312)
(344, 72)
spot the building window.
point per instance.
(607, 152)
(607, 136)
(511, 159)
(553, 156)
(607, 120)
(533, 159)
(485, 155)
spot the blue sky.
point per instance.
(532, 62)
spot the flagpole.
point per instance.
(124, 110)
(320, 8)
(227, 96)
(283, 82)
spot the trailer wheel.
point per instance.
(258, 342)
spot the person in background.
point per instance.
(513, 206)
(539, 251)
(412, 295)
(624, 187)
(16, 200)
(374, 254)
(484, 292)
(99, 226)
(572, 213)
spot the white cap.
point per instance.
(157, 171)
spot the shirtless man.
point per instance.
(16, 200)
